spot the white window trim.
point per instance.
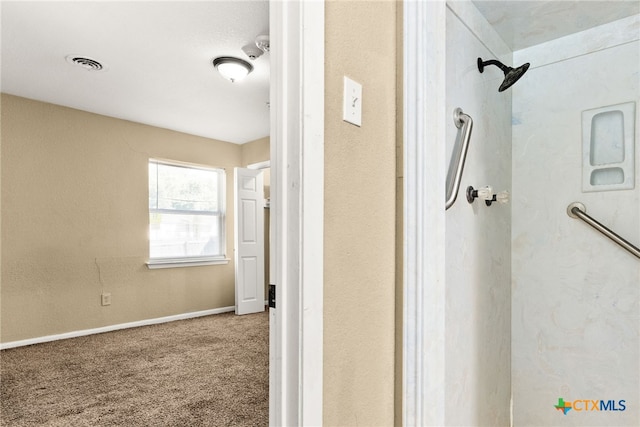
(156, 263)
(194, 261)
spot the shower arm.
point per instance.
(465, 124)
(481, 64)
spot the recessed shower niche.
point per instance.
(608, 148)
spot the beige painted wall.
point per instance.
(360, 212)
(75, 221)
(256, 151)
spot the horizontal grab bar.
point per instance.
(577, 210)
(465, 123)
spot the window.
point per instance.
(186, 215)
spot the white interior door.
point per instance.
(249, 240)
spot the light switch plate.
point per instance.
(352, 102)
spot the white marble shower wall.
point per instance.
(575, 294)
(478, 238)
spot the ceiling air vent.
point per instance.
(85, 62)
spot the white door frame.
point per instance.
(424, 213)
(297, 155)
(297, 203)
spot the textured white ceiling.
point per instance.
(523, 24)
(159, 54)
(158, 57)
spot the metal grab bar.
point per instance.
(577, 210)
(465, 122)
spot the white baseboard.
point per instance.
(110, 328)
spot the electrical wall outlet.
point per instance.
(106, 299)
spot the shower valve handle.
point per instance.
(486, 193)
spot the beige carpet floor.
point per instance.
(208, 371)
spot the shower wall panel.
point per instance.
(575, 309)
(478, 266)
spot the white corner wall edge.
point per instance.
(111, 328)
(423, 348)
(481, 28)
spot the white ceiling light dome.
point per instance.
(233, 69)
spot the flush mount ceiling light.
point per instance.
(231, 68)
(85, 62)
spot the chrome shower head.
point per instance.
(511, 75)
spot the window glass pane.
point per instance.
(179, 235)
(186, 188)
(186, 211)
